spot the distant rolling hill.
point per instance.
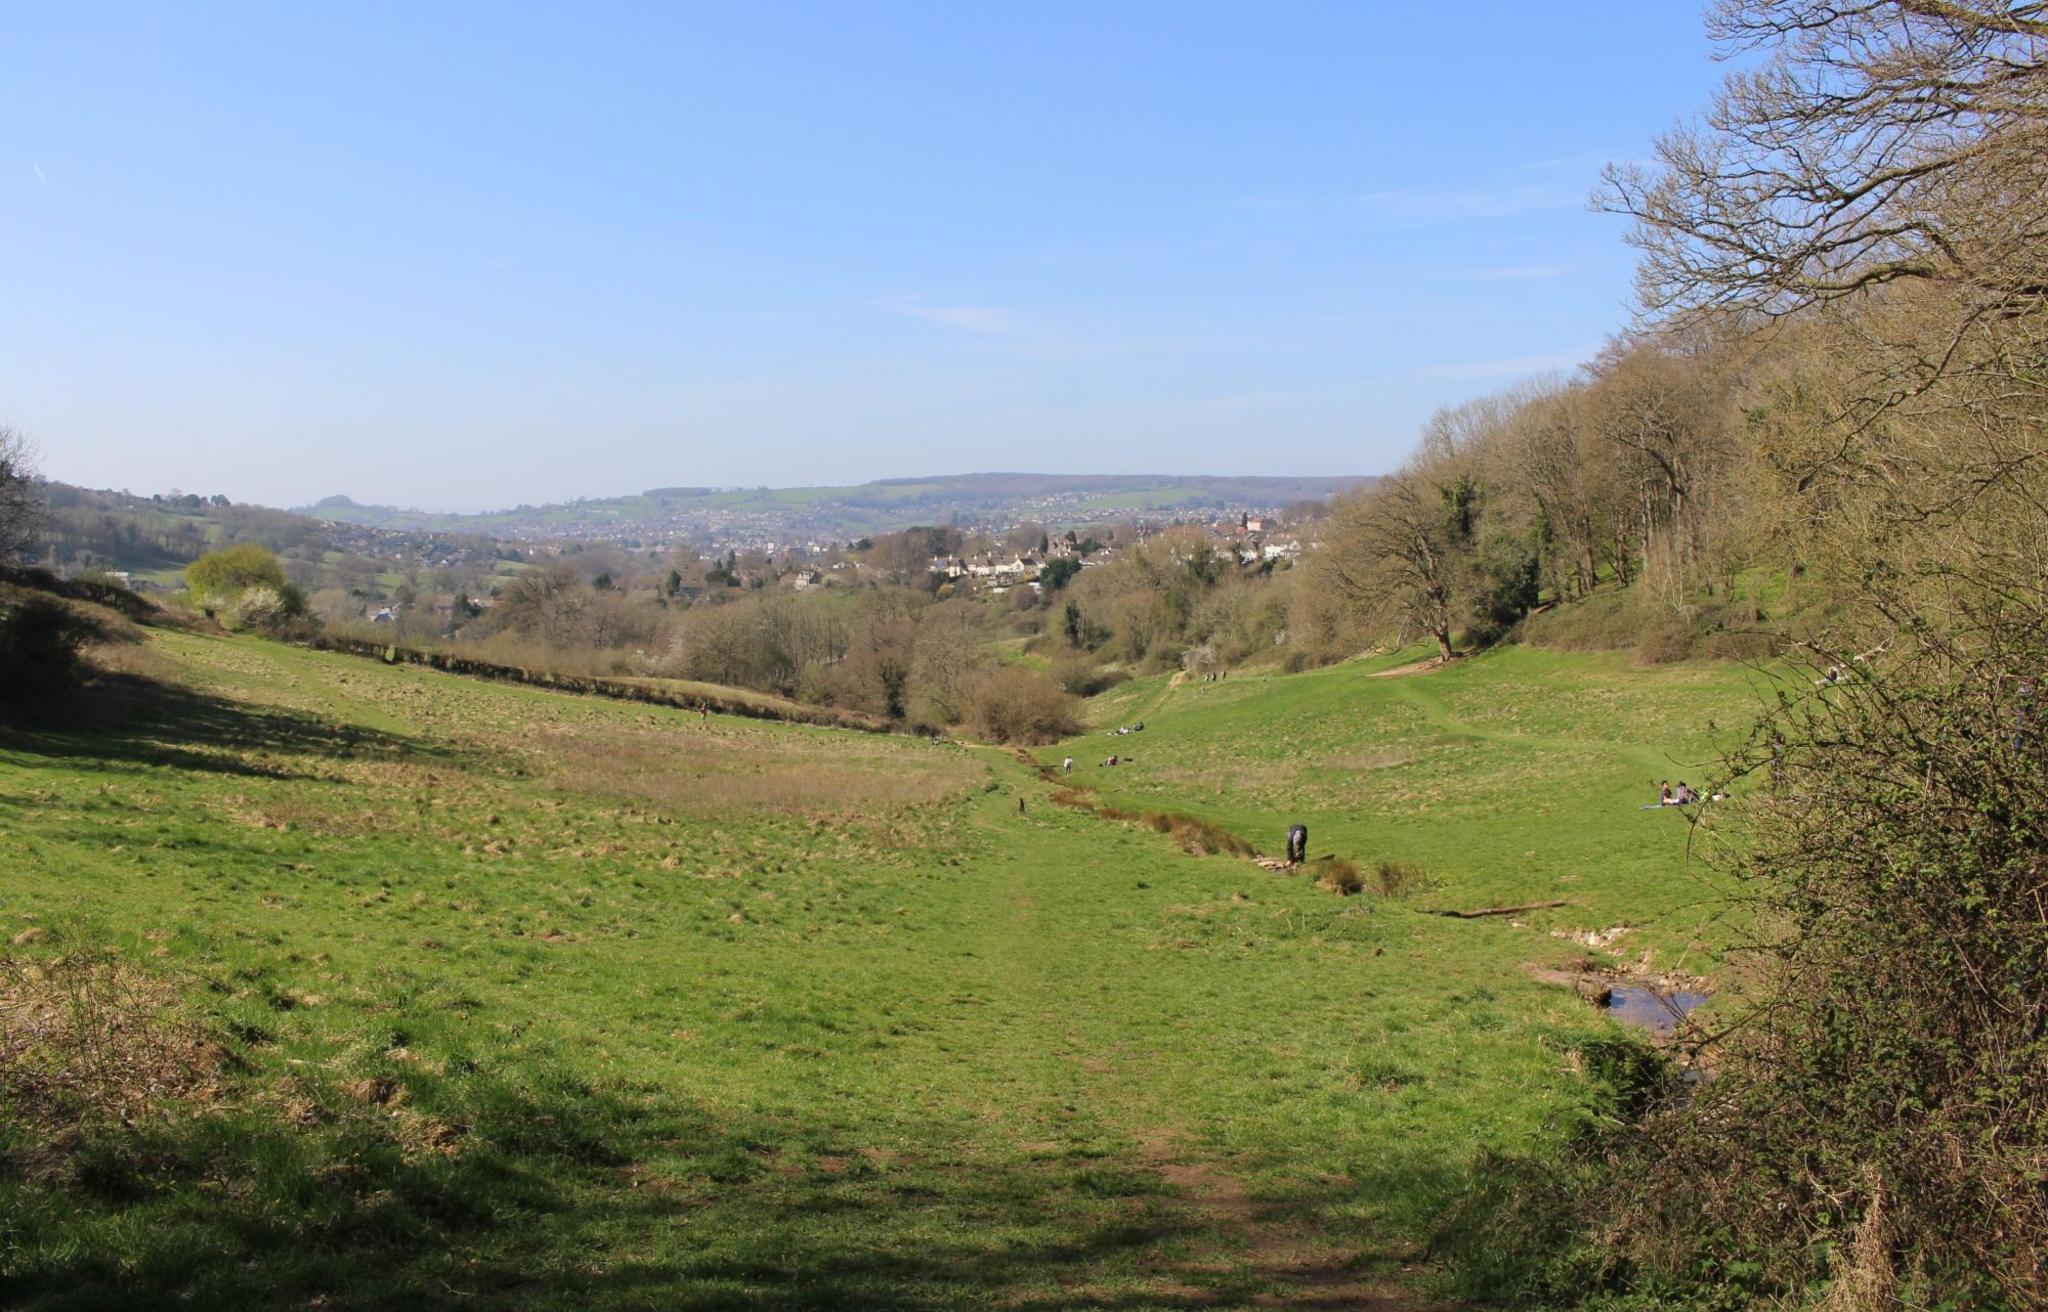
(879, 506)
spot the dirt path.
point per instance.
(1296, 1245)
(1428, 665)
(1310, 1269)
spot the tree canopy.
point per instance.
(220, 576)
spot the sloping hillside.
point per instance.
(877, 507)
(1514, 777)
(339, 983)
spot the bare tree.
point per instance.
(21, 504)
(1552, 460)
(548, 604)
(1390, 549)
(1883, 141)
(1024, 538)
(905, 558)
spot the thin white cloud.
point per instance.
(39, 173)
(1438, 204)
(1514, 366)
(1513, 272)
(985, 320)
(1585, 161)
(1029, 334)
(1560, 182)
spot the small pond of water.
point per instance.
(1660, 1013)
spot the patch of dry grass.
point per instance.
(88, 1038)
(732, 772)
(1383, 758)
(132, 659)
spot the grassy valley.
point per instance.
(459, 991)
(873, 896)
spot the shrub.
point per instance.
(1508, 574)
(1904, 1012)
(219, 577)
(263, 606)
(1742, 645)
(1058, 572)
(820, 685)
(92, 1040)
(1017, 706)
(39, 643)
(1667, 642)
(1606, 621)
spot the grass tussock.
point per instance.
(1339, 876)
(1398, 879)
(1382, 758)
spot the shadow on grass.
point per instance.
(564, 1196)
(120, 721)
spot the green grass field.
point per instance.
(1513, 777)
(475, 995)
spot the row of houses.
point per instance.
(988, 568)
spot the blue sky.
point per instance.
(464, 256)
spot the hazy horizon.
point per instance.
(427, 263)
(1162, 474)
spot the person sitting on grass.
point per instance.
(1664, 794)
(1686, 796)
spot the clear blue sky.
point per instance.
(464, 256)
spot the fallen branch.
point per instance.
(1500, 911)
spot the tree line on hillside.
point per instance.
(895, 639)
(1647, 474)
(1845, 376)
(884, 633)
(83, 529)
